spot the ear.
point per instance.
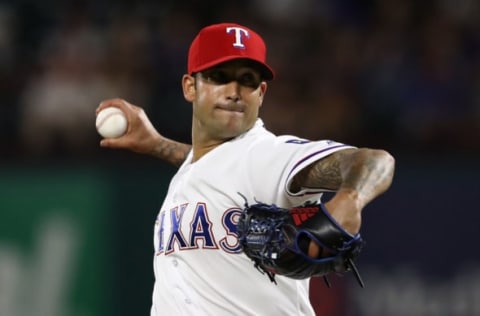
(188, 85)
(262, 91)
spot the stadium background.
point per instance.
(76, 221)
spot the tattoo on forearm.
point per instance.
(173, 152)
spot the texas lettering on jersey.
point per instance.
(200, 231)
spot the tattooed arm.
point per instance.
(142, 137)
(357, 175)
(171, 151)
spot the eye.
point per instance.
(249, 79)
(221, 76)
(216, 76)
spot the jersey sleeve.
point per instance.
(278, 161)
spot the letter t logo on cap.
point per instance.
(238, 36)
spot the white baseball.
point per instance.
(111, 122)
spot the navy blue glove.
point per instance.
(277, 241)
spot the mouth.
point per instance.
(231, 107)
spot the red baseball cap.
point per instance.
(223, 42)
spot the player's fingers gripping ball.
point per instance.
(111, 122)
(277, 240)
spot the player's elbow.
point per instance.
(385, 166)
(387, 160)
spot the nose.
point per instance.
(233, 91)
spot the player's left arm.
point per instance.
(356, 175)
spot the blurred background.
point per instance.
(76, 221)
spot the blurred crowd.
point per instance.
(399, 74)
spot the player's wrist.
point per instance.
(345, 207)
(354, 198)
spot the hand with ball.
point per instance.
(126, 126)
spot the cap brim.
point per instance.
(266, 71)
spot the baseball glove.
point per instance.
(277, 239)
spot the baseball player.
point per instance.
(198, 262)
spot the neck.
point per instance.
(203, 141)
(203, 144)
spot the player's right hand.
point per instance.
(141, 135)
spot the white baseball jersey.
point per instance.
(199, 268)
